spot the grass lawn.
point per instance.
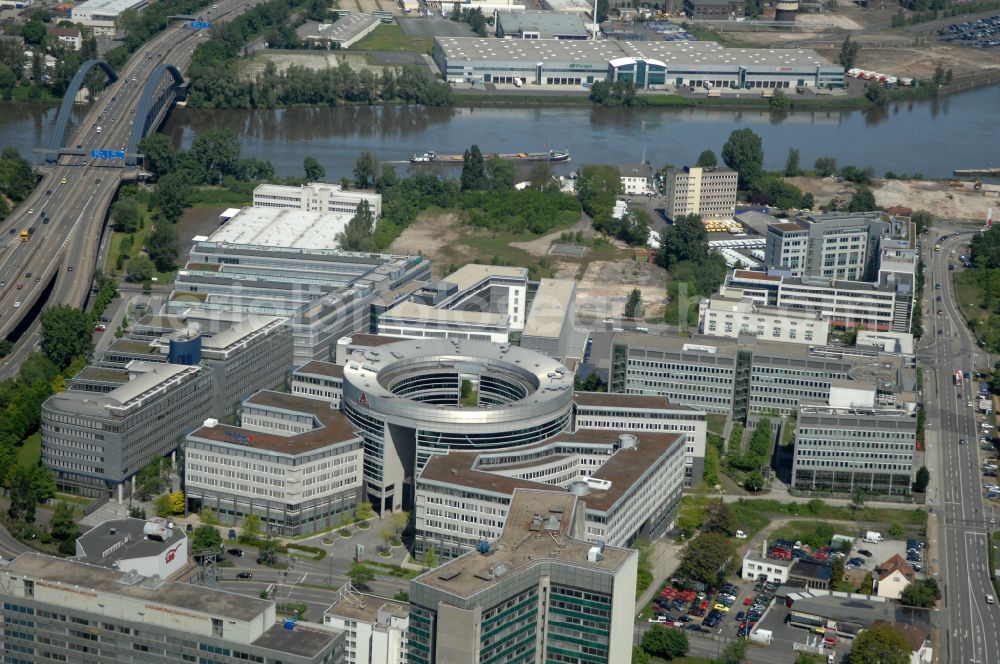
(969, 296)
(218, 197)
(392, 38)
(817, 509)
(30, 452)
(716, 422)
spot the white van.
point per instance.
(873, 537)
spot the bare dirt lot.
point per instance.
(605, 286)
(309, 59)
(937, 197)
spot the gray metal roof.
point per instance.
(547, 23)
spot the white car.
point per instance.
(741, 535)
(970, 404)
(17, 303)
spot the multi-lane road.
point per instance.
(970, 626)
(67, 210)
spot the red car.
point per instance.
(100, 328)
(20, 286)
(747, 601)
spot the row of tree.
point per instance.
(598, 188)
(17, 179)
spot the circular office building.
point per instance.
(414, 398)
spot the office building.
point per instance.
(745, 375)
(757, 565)
(845, 246)
(540, 592)
(319, 380)
(654, 65)
(343, 33)
(486, 303)
(636, 413)
(415, 398)
(246, 353)
(845, 447)
(100, 15)
(885, 306)
(58, 610)
(723, 316)
(292, 461)
(316, 196)
(629, 484)
(707, 192)
(148, 548)
(265, 270)
(70, 37)
(374, 627)
(95, 443)
(635, 178)
(536, 24)
(715, 10)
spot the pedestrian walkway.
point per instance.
(664, 558)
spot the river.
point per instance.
(931, 137)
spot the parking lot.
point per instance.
(984, 33)
(729, 611)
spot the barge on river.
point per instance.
(551, 156)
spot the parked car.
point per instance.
(865, 552)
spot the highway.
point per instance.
(970, 627)
(67, 210)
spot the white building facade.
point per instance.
(316, 197)
(722, 316)
(375, 627)
(707, 192)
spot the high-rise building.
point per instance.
(58, 610)
(708, 192)
(846, 246)
(540, 592)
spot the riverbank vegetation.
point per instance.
(17, 180)
(216, 82)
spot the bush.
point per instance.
(317, 553)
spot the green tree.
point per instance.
(173, 190)
(602, 10)
(208, 516)
(875, 93)
(808, 201)
(398, 521)
(896, 529)
(825, 166)
(161, 505)
(364, 511)
(358, 234)
(473, 169)
(360, 575)
(949, 75)
(922, 219)
(773, 190)
(922, 479)
(665, 643)
(707, 159)
(734, 653)
(754, 481)
(778, 101)
(632, 304)
(639, 656)
(251, 527)
(939, 74)
(206, 538)
(17, 178)
(366, 170)
(744, 153)
(837, 571)
(880, 644)
(163, 247)
(22, 497)
(792, 163)
(177, 502)
(718, 518)
(430, 557)
(863, 200)
(159, 156)
(706, 557)
(125, 215)
(151, 479)
(63, 528)
(215, 152)
(867, 584)
(684, 240)
(848, 53)
(805, 658)
(921, 593)
(66, 335)
(314, 170)
(501, 172)
(140, 269)
(598, 187)
(33, 32)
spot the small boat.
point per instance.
(423, 158)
